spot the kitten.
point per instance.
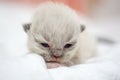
(57, 34)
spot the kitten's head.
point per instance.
(54, 32)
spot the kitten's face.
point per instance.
(55, 44)
(53, 32)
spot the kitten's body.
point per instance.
(57, 25)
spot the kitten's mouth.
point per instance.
(52, 62)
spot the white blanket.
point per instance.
(32, 67)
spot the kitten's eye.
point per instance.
(67, 45)
(45, 45)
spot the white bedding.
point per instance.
(17, 64)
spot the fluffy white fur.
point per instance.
(57, 25)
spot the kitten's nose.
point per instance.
(56, 56)
(56, 53)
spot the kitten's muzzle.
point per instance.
(56, 53)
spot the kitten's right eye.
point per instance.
(45, 45)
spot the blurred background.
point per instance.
(102, 15)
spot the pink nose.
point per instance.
(56, 56)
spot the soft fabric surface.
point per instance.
(17, 64)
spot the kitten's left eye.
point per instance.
(45, 45)
(68, 46)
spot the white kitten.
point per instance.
(57, 34)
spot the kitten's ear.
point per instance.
(26, 27)
(82, 28)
